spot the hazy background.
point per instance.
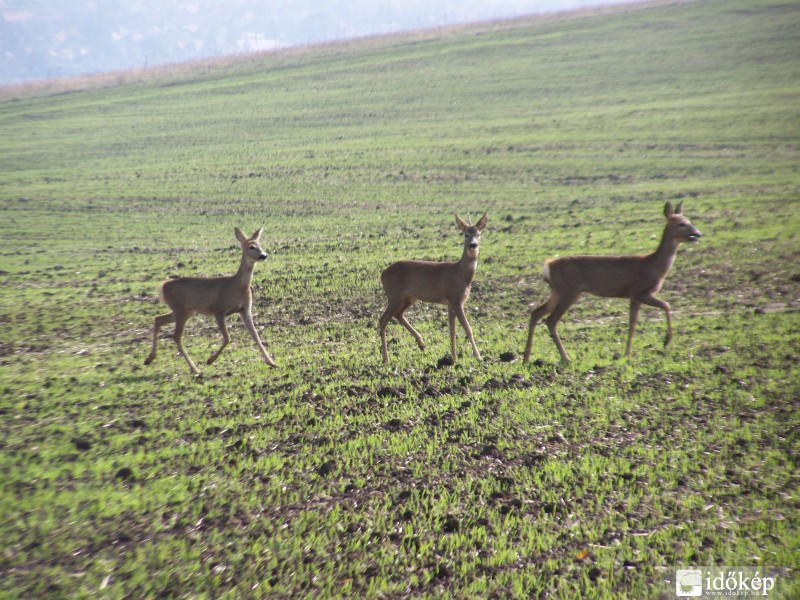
(42, 39)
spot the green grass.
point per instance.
(337, 476)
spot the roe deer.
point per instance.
(218, 296)
(448, 283)
(637, 277)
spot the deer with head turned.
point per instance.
(217, 296)
(636, 277)
(409, 281)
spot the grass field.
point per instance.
(337, 476)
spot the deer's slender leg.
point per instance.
(462, 318)
(451, 321)
(651, 300)
(562, 306)
(247, 317)
(536, 314)
(158, 323)
(404, 322)
(180, 323)
(223, 329)
(633, 318)
(420, 341)
(387, 316)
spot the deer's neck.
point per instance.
(467, 266)
(245, 273)
(664, 255)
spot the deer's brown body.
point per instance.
(208, 296)
(609, 276)
(636, 277)
(409, 281)
(217, 296)
(428, 281)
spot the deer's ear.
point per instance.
(257, 235)
(679, 209)
(239, 235)
(482, 223)
(461, 224)
(668, 211)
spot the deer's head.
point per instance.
(679, 227)
(251, 246)
(472, 233)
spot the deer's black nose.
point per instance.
(473, 245)
(263, 256)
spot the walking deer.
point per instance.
(217, 296)
(637, 277)
(409, 281)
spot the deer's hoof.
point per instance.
(149, 359)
